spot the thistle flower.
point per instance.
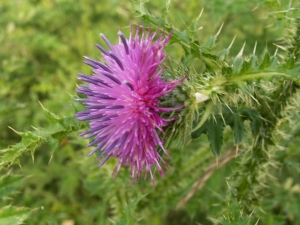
(123, 102)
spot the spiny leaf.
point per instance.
(234, 215)
(181, 37)
(255, 119)
(9, 184)
(215, 134)
(212, 40)
(253, 63)
(166, 11)
(238, 129)
(238, 62)
(266, 61)
(225, 52)
(193, 27)
(202, 130)
(11, 215)
(129, 212)
(139, 7)
(31, 140)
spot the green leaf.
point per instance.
(59, 129)
(237, 65)
(266, 61)
(238, 62)
(255, 120)
(211, 43)
(11, 215)
(201, 130)
(238, 129)
(193, 27)
(223, 55)
(166, 10)
(129, 212)
(187, 59)
(180, 37)
(12, 154)
(138, 6)
(9, 184)
(253, 63)
(215, 129)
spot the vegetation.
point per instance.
(234, 157)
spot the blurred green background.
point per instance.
(42, 44)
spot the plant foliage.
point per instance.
(234, 153)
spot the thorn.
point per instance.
(275, 53)
(266, 48)
(236, 150)
(232, 42)
(254, 50)
(34, 127)
(220, 29)
(71, 95)
(242, 50)
(50, 159)
(280, 46)
(202, 10)
(221, 114)
(42, 106)
(200, 14)
(168, 2)
(229, 108)
(14, 130)
(255, 8)
(32, 156)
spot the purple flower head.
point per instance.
(123, 101)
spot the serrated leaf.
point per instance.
(237, 65)
(211, 43)
(295, 72)
(201, 130)
(11, 215)
(253, 63)
(223, 55)
(187, 59)
(181, 36)
(274, 63)
(51, 116)
(129, 217)
(138, 6)
(266, 61)
(255, 120)
(166, 10)
(238, 62)
(178, 36)
(238, 129)
(13, 153)
(10, 184)
(215, 134)
(31, 140)
(225, 52)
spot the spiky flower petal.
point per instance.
(123, 101)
